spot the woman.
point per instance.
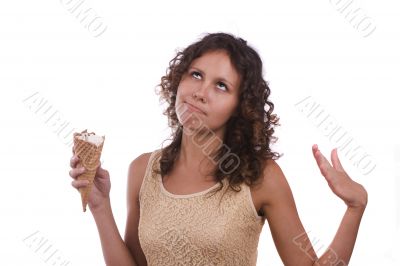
(203, 199)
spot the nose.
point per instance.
(199, 97)
(201, 93)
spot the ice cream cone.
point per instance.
(88, 147)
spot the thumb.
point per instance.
(102, 173)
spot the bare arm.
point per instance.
(341, 248)
(115, 251)
(356, 198)
(288, 233)
(136, 174)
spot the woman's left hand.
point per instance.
(351, 192)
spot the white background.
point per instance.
(107, 84)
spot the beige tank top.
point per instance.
(194, 229)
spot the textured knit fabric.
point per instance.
(193, 229)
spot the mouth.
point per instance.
(194, 108)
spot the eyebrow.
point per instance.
(219, 78)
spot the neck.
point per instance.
(198, 148)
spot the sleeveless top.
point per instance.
(194, 229)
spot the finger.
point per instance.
(79, 183)
(321, 159)
(73, 161)
(335, 161)
(323, 164)
(102, 173)
(75, 172)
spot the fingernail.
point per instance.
(83, 169)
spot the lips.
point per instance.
(194, 108)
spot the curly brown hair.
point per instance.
(248, 132)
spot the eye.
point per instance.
(222, 84)
(197, 75)
(194, 74)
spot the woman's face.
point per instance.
(214, 82)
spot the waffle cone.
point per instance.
(89, 157)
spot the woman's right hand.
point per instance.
(100, 192)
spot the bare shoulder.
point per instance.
(274, 184)
(136, 173)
